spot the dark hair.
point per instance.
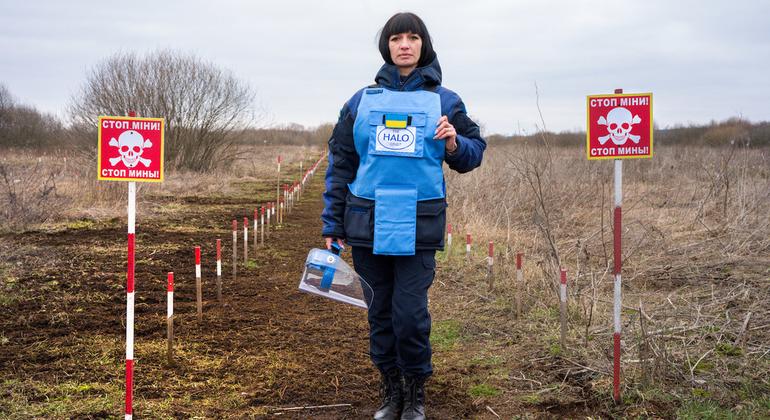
(406, 22)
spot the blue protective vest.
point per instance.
(400, 162)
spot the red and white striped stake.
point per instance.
(468, 246)
(617, 258)
(256, 230)
(170, 317)
(262, 227)
(219, 271)
(245, 241)
(287, 198)
(490, 264)
(519, 282)
(270, 213)
(563, 308)
(284, 202)
(278, 181)
(130, 298)
(198, 283)
(235, 249)
(449, 240)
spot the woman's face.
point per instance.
(405, 51)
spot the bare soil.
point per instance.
(268, 346)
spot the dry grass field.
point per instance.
(696, 271)
(696, 314)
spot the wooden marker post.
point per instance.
(490, 264)
(245, 241)
(219, 271)
(198, 283)
(563, 309)
(170, 317)
(519, 282)
(235, 249)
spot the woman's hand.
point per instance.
(340, 242)
(446, 131)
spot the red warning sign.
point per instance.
(130, 149)
(619, 126)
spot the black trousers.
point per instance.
(399, 321)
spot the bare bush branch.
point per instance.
(205, 107)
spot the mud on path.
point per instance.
(62, 318)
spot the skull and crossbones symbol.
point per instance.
(130, 145)
(619, 122)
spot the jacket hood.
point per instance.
(421, 77)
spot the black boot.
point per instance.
(414, 398)
(392, 395)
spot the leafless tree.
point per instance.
(23, 125)
(6, 99)
(205, 107)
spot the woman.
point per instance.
(385, 196)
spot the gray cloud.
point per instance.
(702, 60)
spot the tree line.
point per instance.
(208, 111)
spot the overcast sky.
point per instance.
(702, 60)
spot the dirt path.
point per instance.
(270, 346)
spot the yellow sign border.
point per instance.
(99, 148)
(588, 126)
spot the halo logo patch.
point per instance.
(399, 140)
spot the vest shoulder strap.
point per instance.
(432, 88)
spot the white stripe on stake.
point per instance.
(262, 227)
(132, 207)
(245, 240)
(169, 304)
(617, 304)
(219, 271)
(449, 238)
(130, 327)
(618, 182)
